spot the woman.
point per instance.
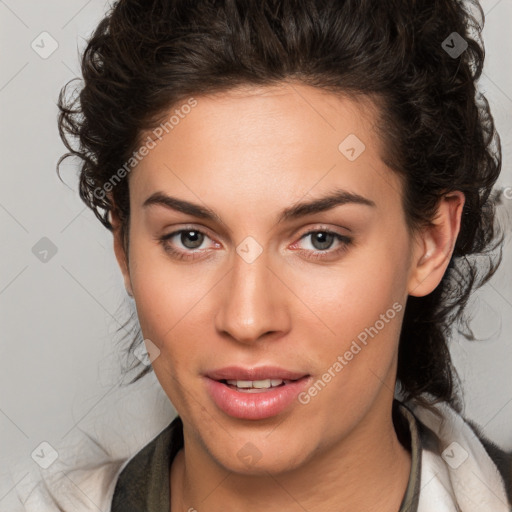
(295, 190)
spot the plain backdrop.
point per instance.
(59, 364)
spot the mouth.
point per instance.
(254, 393)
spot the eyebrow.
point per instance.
(337, 197)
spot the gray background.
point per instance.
(59, 365)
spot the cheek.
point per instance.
(352, 296)
(361, 307)
(168, 305)
(164, 291)
(174, 307)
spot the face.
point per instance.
(234, 281)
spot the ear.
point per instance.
(121, 256)
(434, 245)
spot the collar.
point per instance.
(461, 469)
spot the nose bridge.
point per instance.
(251, 305)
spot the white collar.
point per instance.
(457, 473)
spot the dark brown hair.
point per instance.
(418, 59)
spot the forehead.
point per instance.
(254, 142)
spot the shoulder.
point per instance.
(459, 462)
(82, 478)
(74, 490)
(144, 480)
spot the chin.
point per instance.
(261, 455)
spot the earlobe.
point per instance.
(434, 245)
(119, 250)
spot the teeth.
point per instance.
(241, 383)
(257, 384)
(261, 384)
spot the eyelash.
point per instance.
(313, 255)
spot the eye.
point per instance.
(321, 241)
(190, 239)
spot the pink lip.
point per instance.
(259, 405)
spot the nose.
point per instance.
(255, 302)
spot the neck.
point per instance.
(367, 470)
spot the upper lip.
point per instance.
(254, 373)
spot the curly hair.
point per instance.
(145, 57)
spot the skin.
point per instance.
(248, 154)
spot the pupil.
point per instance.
(321, 238)
(196, 242)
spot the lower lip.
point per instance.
(254, 406)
